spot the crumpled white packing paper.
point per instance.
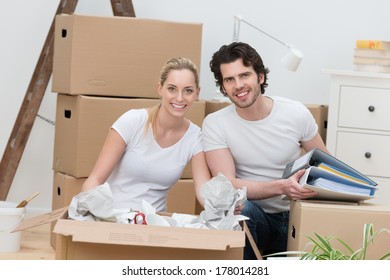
(220, 200)
(219, 195)
(93, 205)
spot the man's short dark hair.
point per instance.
(232, 52)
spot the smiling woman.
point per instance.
(146, 150)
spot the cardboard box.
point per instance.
(65, 187)
(79, 240)
(320, 114)
(118, 56)
(212, 106)
(339, 220)
(182, 198)
(82, 124)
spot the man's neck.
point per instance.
(258, 110)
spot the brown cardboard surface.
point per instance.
(118, 56)
(41, 219)
(82, 123)
(212, 106)
(119, 241)
(65, 187)
(91, 251)
(78, 240)
(150, 236)
(339, 220)
(182, 198)
(320, 114)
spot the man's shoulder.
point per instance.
(287, 102)
(283, 99)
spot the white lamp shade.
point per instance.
(292, 59)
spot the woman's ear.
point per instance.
(198, 93)
(159, 89)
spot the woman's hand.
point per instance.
(238, 209)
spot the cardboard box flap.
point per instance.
(154, 236)
(41, 219)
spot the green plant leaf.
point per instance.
(346, 246)
(294, 253)
(321, 243)
(385, 257)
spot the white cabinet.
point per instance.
(358, 130)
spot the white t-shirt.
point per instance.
(261, 149)
(146, 170)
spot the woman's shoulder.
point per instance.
(135, 113)
(134, 117)
(193, 127)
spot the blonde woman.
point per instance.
(147, 149)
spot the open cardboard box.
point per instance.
(81, 240)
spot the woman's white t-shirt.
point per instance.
(146, 171)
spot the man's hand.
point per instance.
(294, 190)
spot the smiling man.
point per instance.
(252, 140)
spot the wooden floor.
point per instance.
(34, 245)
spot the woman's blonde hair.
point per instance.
(177, 63)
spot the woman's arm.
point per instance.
(109, 156)
(200, 174)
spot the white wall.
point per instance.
(325, 31)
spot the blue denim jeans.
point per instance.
(269, 231)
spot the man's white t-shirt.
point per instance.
(146, 170)
(261, 149)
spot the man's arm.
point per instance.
(316, 142)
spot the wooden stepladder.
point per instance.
(34, 95)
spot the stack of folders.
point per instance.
(331, 178)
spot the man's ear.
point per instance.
(261, 78)
(223, 91)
